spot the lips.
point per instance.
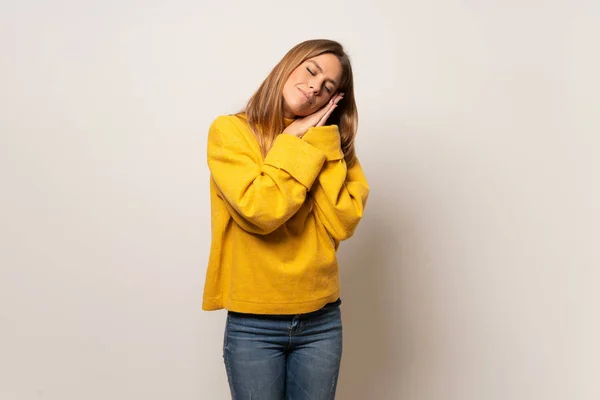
(306, 95)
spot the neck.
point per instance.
(287, 113)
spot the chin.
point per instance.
(302, 109)
(297, 109)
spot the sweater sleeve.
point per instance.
(340, 193)
(261, 196)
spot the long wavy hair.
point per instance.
(264, 111)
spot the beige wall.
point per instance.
(473, 276)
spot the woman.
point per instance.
(286, 188)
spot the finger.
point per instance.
(333, 105)
(325, 111)
(326, 116)
(338, 97)
(317, 116)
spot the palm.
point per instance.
(318, 118)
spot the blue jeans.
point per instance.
(277, 357)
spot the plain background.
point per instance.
(474, 274)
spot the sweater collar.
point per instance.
(288, 121)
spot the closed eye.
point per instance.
(313, 74)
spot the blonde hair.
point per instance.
(264, 111)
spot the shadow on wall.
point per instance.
(378, 338)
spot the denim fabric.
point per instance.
(277, 357)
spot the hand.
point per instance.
(318, 118)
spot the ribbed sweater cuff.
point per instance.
(297, 157)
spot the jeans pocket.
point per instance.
(226, 334)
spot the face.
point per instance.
(311, 85)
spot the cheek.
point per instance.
(289, 88)
(288, 95)
(295, 76)
(323, 101)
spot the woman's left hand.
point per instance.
(318, 118)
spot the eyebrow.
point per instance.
(321, 69)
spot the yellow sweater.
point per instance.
(277, 222)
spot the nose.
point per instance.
(314, 88)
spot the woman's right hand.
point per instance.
(318, 118)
